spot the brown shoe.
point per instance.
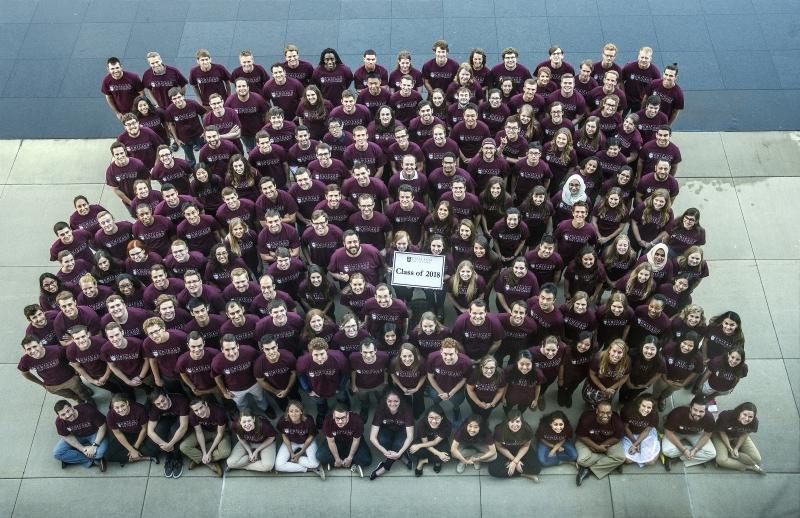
(216, 468)
(192, 465)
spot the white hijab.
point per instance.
(567, 196)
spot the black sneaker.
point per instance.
(64, 465)
(168, 468)
(177, 468)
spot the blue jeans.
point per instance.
(392, 441)
(66, 453)
(568, 455)
(188, 149)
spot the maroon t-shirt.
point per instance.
(521, 389)
(215, 418)
(123, 177)
(237, 374)
(681, 366)
(636, 79)
(448, 376)
(369, 375)
(368, 262)
(548, 366)
(440, 76)
(335, 173)
(160, 85)
(570, 239)
(610, 326)
(88, 422)
(545, 432)
(278, 373)
(613, 374)
(217, 158)
(167, 353)
(469, 139)
(651, 152)
(671, 98)
(251, 112)
(52, 368)
(297, 433)
(143, 146)
(287, 336)
(283, 203)
(353, 429)
(283, 137)
(728, 422)
(270, 242)
(256, 79)
(724, 378)
(377, 317)
(481, 170)
(179, 407)
(214, 80)
(477, 340)
(86, 222)
(45, 334)
(486, 388)
(211, 332)
(551, 323)
(198, 371)
(680, 422)
(482, 438)
(270, 165)
(638, 423)
(286, 96)
(123, 90)
(589, 427)
(131, 423)
(307, 199)
(257, 435)
(323, 379)
(393, 422)
(200, 237)
(187, 120)
(332, 82)
(90, 358)
(179, 175)
(544, 268)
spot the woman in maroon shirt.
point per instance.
(462, 241)
(523, 383)
(692, 263)
(317, 325)
(485, 261)
(585, 273)
(647, 366)
(127, 422)
(221, 262)
(464, 287)
(243, 177)
(614, 319)
(486, 387)
(391, 433)
(408, 373)
(623, 180)
(427, 336)
(313, 111)
(687, 232)
(316, 291)
(651, 221)
(578, 317)
(150, 117)
(554, 440)
(589, 171)
(575, 367)
(735, 448)
(619, 258)
(513, 438)
(684, 363)
(433, 440)
(589, 139)
(515, 283)
(608, 371)
(472, 444)
(494, 202)
(357, 292)
(641, 442)
(609, 216)
(537, 212)
(131, 290)
(638, 285)
(298, 451)
(548, 358)
(255, 450)
(441, 221)
(691, 318)
(722, 374)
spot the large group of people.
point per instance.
(251, 288)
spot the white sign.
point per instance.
(418, 270)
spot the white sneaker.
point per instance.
(476, 465)
(320, 472)
(460, 467)
(357, 469)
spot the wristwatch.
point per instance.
(95, 444)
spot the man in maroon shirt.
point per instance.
(323, 375)
(123, 171)
(368, 374)
(185, 123)
(194, 367)
(71, 315)
(125, 358)
(364, 152)
(120, 88)
(140, 142)
(342, 444)
(448, 370)
(320, 240)
(162, 349)
(52, 370)
(650, 119)
(660, 148)
(84, 355)
(606, 63)
(354, 257)
(224, 119)
(275, 372)
(637, 76)
(668, 90)
(350, 113)
(255, 75)
(574, 234)
(210, 443)
(75, 241)
(384, 309)
(572, 102)
(410, 176)
(283, 91)
(269, 159)
(327, 169)
(407, 214)
(687, 434)
(159, 79)
(371, 226)
(370, 66)
(167, 424)
(439, 71)
(208, 78)
(295, 67)
(599, 434)
(404, 101)
(511, 69)
(216, 153)
(40, 324)
(233, 374)
(84, 435)
(251, 109)
(481, 330)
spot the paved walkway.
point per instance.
(737, 180)
(739, 59)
